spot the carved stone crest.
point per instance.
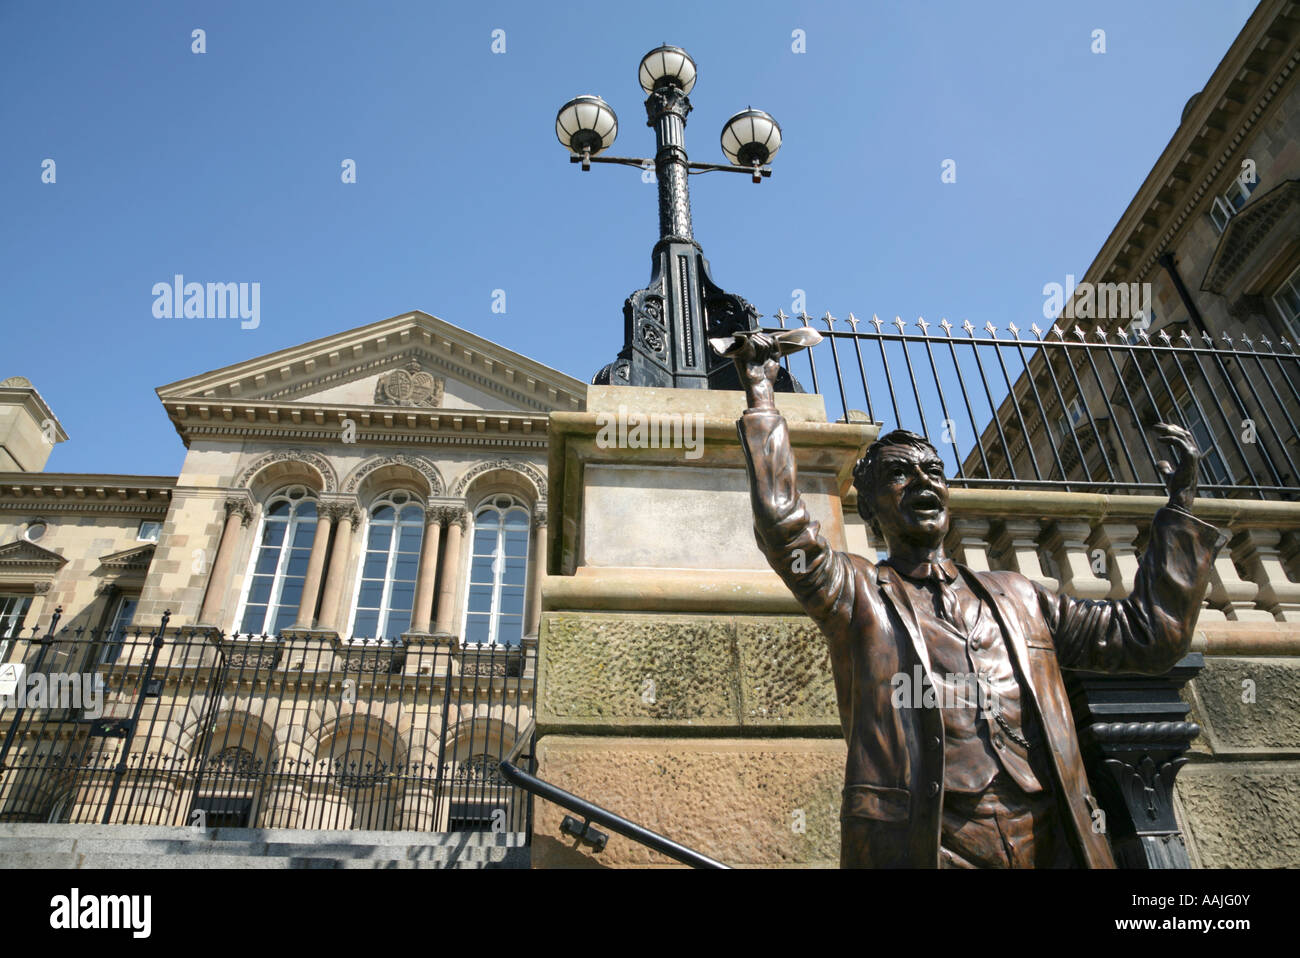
(409, 386)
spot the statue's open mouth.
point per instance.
(926, 503)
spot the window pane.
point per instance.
(404, 569)
(383, 514)
(512, 601)
(381, 537)
(366, 625)
(480, 598)
(267, 560)
(254, 616)
(371, 592)
(410, 539)
(303, 535)
(280, 508)
(297, 564)
(306, 509)
(510, 630)
(517, 543)
(515, 572)
(291, 594)
(273, 533)
(398, 622)
(403, 596)
(481, 570)
(284, 619)
(260, 592)
(485, 541)
(476, 629)
(375, 565)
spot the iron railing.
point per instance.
(1084, 402)
(190, 727)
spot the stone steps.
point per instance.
(25, 845)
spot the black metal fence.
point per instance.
(1072, 410)
(182, 727)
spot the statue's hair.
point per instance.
(864, 473)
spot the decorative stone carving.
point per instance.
(241, 505)
(449, 514)
(409, 386)
(539, 515)
(422, 466)
(18, 382)
(338, 511)
(41, 588)
(319, 463)
(535, 477)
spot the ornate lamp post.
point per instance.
(667, 324)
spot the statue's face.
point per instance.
(910, 497)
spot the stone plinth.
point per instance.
(679, 684)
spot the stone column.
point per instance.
(457, 517)
(315, 567)
(347, 515)
(239, 512)
(537, 570)
(1257, 551)
(423, 613)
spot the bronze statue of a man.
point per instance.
(997, 781)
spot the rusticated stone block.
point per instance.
(629, 673)
(1242, 814)
(1248, 704)
(609, 671)
(785, 672)
(757, 802)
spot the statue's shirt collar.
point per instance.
(945, 571)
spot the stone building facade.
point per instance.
(374, 501)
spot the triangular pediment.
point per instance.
(135, 559)
(413, 360)
(1272, 218)
(29, 555)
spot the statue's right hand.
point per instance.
(756, 359)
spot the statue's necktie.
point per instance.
(949, 602)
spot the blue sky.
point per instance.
(225, 167)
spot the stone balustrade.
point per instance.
(1088, 546)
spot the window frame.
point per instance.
(385, 599)
(494, 612)
(114, 626)
(286, 549)
(11, 622)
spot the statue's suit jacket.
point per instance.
(893, 797)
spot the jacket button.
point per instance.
(935, 743)
(998, 741)
(934, 788)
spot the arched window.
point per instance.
(498, 571)
(386, 593)
(280, 561)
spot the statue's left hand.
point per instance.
(1180, 480)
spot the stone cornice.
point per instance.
(374, 425)
(129, 560)
(36, 405)
(85, 493)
